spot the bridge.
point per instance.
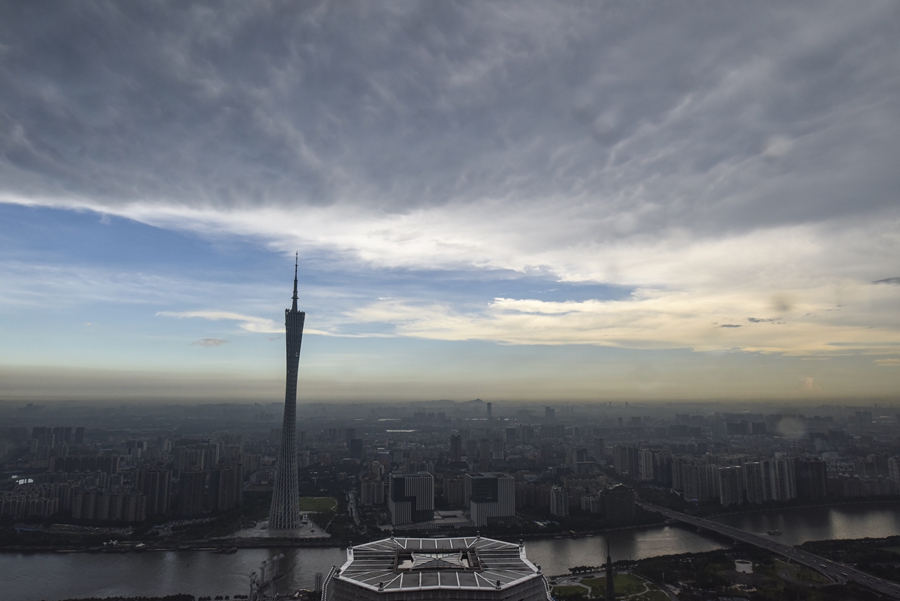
(836, 572)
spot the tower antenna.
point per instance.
(294, 303)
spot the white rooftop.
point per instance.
(395, 564)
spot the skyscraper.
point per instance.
(411, 498)
(285, 513)
(490, 495)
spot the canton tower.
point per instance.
(285, 513)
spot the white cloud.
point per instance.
(650, 319)
(246, 322)
(777, 146)
(210, 342)
(257, 325)
(634, 147)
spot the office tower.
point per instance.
(549, 413)
(485, 450)
(455, 447)
(411, 498)
(285, 512)
(490, 495)
(356, 448)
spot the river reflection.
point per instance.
(557, 555)
(53, 576)
(871, 520)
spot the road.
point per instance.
(835, 571)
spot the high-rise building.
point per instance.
(732, 485)
(156, 484)
(192, 492)
(226, 487)
(599, 449)
(646, 464)
(355, 446)
(411, 498)
(455, 490)
(626, 460)
(285, 512)
(559, 501)
(490, 495)
(812, 478)
(455, 447)
(371, 492)
(617, 504)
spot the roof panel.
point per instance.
(373, 563)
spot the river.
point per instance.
(54, 576)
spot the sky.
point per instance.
(529, 201)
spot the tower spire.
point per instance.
(294, 303)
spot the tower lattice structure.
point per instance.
(285, 513)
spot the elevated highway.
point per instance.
(835, 571)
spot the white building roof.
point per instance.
(406, 564)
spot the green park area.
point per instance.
(318, 504)
(628, 586)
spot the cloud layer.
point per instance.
(725, 164)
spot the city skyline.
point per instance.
(507, 202)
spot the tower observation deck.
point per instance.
(285, 512)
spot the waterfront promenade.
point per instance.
(837, 572)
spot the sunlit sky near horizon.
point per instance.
(508, 200)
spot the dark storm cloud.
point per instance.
(701, 116)
(894, 281)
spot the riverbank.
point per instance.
(268, 542)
